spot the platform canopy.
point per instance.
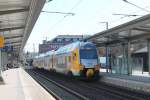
(17, 18)
(135, 30)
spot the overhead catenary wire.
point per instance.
(129, 15)
(62, 19)
(47, 1)
(68, 13)
(132, 13)
(137, 6)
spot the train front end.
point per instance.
(89, 63)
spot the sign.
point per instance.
(1, 41)
(101, 52)
(7, 49)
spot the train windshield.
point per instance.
(88, 54)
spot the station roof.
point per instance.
(142, 50)
(17, 18)
(131, 31)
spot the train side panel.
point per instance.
(79, 60)
(61, 63)
(69, 62)
(46, 61)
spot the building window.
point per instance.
(59, 40)
(79, 38)
(67, 40)
(75, 39)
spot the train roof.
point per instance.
(71, 47)
(49, 53)
(39, 56)
(68, 48)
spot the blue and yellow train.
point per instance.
(78, 59)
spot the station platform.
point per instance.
(139, 83)
(19, 85)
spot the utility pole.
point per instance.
(106, 23)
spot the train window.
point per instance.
(59, 40)
(56, 60)
(67, 39)
(59, 60)
(51, 59)
(75, 39)
(64, 58)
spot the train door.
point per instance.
(75, 61)
(51, 62)
(69, 61)
(54, 62)
(47, 62)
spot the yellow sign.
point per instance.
(1, 41)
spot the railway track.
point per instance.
(121, 95)
(122, 92)
(93, 90)
(73, 95)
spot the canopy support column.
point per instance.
(148, 50)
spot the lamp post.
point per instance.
(106, 23)
(106, 50)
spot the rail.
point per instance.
(81, 97)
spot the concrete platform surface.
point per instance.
(19, 85)
(145, 79)
(132, 82)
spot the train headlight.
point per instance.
(89, 72)
(97, 67)
(81, 67)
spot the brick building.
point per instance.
(59, 41)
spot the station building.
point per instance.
(59, 41)
(126, 47)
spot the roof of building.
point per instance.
(142, 50)
(134, 30)
(67, 36)
(72, 46)
(72, 36)
(17, 18)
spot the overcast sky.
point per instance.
(87, 18)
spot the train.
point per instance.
(79, 59)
